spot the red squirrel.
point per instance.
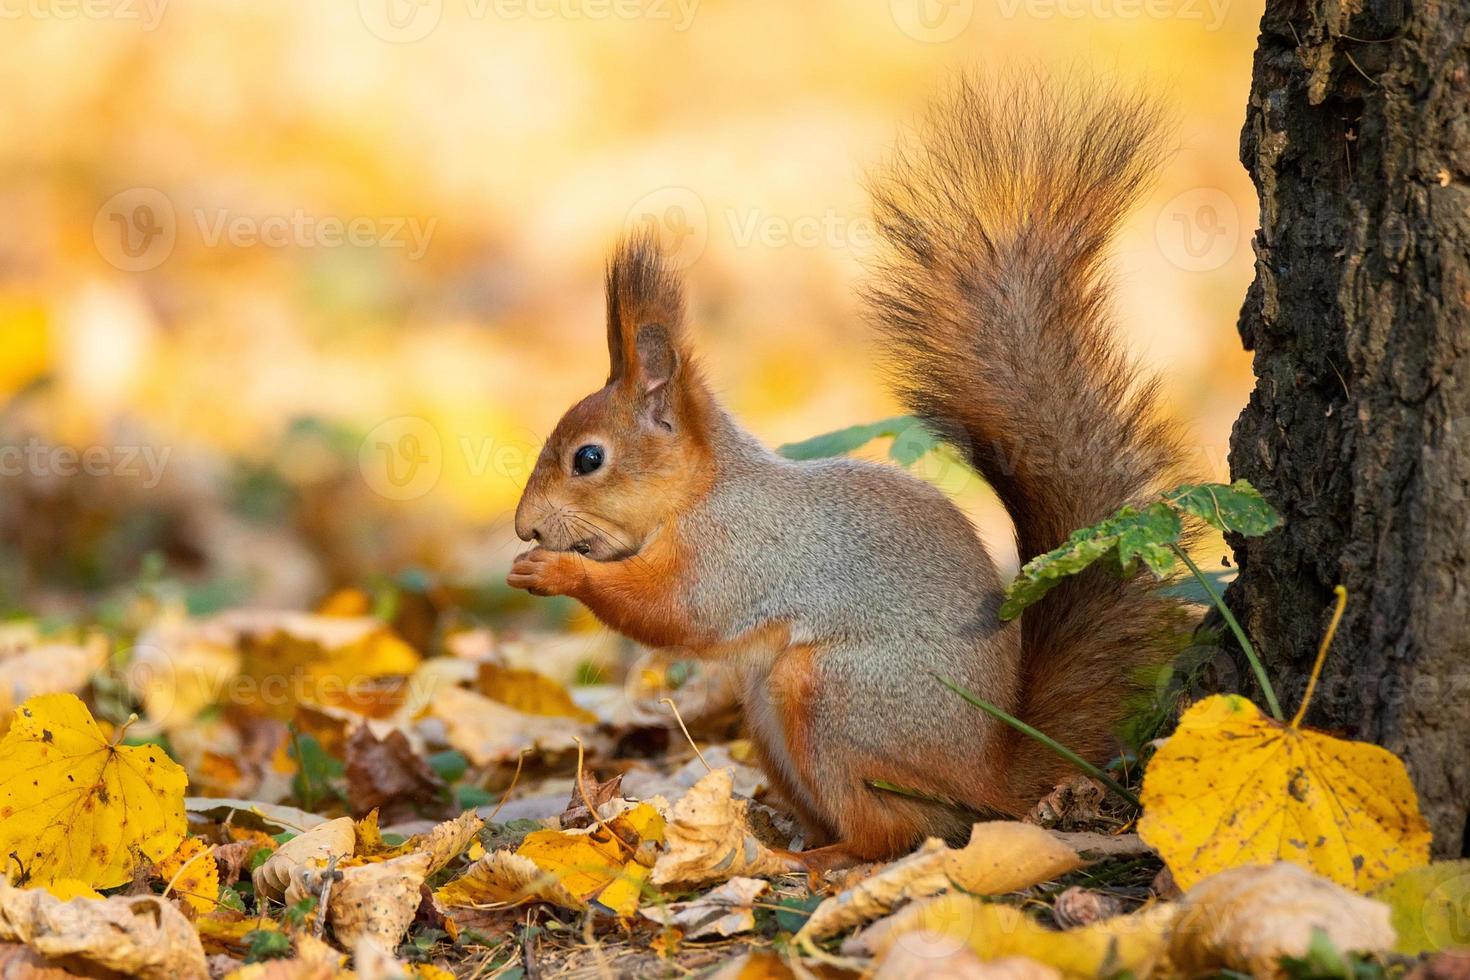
(846, 588)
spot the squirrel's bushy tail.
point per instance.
(992, 298)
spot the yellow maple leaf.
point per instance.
(192, 873)
(1233, 787)
(75, 805)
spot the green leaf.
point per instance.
(1128, 535)
(449, 764)
(1148, 538)
(1237, 507)
(1150, 535)
(911, 440)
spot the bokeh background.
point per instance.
(290, 293)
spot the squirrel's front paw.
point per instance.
(542, 572)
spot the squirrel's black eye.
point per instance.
(587, 459)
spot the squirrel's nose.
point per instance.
(527, 523)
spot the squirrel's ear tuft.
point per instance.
(645, 315)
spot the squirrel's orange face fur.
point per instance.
(628, 457)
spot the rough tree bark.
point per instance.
(1358, 139)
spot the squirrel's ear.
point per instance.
(645, 318)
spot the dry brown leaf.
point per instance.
(1081, 907)
(723, 911)
(313, 849)
(449, 839)
(488, 732)
(709, 838)
(1248, 918)
(443, 844)
(142, 936)
(377, 901)
(1002, 856)
(50, 668)
(387, 772)
(576, 813)
(18, 962)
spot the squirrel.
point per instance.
(845, 589)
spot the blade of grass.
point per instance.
(1044, 739)
(917, 794)
(1241, 638)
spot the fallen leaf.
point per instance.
(1248, 918)
(723, 911)
(313, 849)
(1232, 787)
(384, 772)
(178, 668)
(709, 838)
(529, 693)
(902, 963)
(67, 889)
(50, 668)
(139, 935)
(1429, 907)
(75, 805)
(448, 840)
(599, 794)
(759, 965)
(597, 864)
(226, 932)
(937, 927)
(1002, 856)
(272, 816)
(504, 878)
(1442, 966)
(1082, 907)
(488, 732)
(290, 658)
(378, 900)
(231, 859)
(313, 960)
(1072, 803)
(191, 873)
(443, 844)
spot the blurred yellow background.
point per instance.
(290, 293)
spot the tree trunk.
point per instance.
(1358, 139)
